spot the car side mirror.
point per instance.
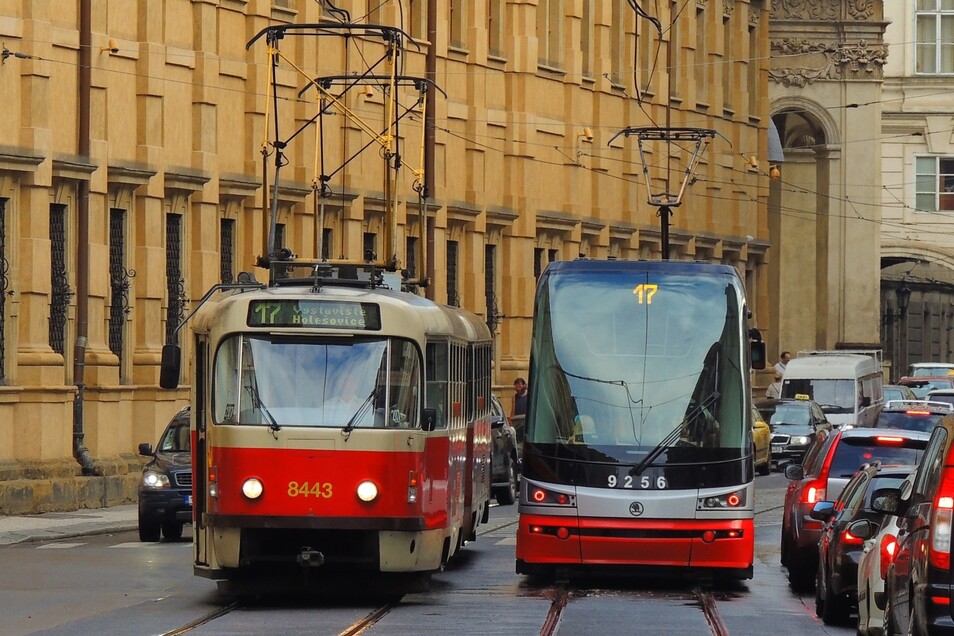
(794, 472)
(429, 419)
(823, 511)
(864, 529)
(886, 500)
(145, 449)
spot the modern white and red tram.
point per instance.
(638, 449)
(339, 427)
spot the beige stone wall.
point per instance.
(178, 120)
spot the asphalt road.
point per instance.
(112, 584)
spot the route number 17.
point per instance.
(645, 293)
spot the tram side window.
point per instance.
(404, 379)
(226, 387)
(436, 375)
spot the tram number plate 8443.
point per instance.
(637, 482)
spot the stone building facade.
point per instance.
(917, 245)
(825, 89)
(172, 164)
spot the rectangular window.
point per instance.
(490, 285)
(934, 27)
(417, 19)
(702, 58)
(495, 27)
(616, 43)
(553, 255)
(226, 250)
(457, 28)
(452, 295)
(4, 284)
(175, 285)
(752, 71)
(279, 236)
(327, 236)
(538, 261)
(550, 32)
(118, 281)
(59, 279)
(647, 44)
(586, 39)
(934, 184)
(410, 256)
(370, 247)
(728, 62)
(674, 50)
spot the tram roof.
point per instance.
(402, 313)
(676, 267)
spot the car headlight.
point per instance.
(799, 440)
(152, 479)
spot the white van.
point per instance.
(846, 384)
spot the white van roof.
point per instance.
(833, 366)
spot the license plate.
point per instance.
(777, 448)
(188, 500)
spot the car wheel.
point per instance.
(172, 530)
(148, 531)
(783, 550)
(766, 468)
(507, 495)
(819, 586)
(834, 607)
(800, 577)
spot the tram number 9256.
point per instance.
(641, 482)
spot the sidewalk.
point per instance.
(53, 526)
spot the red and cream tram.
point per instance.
(638, 449)
(339, 427)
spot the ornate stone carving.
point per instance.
(822, 9)
(728, 6)
(827, 62)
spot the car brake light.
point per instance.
(925, 413)
(888, 547)
(814, 492)
(849, 539)
(885, 439)
(940, 553)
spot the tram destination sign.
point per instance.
(321, 314)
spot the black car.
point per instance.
(504, 462)
(794, 425)
(839, 548)
(165, 490)
(913, 415)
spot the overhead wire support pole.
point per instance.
(667, 199)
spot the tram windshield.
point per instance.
(279, 381)
(629, 365)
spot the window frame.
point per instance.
(939, 45)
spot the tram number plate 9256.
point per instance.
(645, 481)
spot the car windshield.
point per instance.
(928, 371)
(923, 387)
(176, 438)
(791, 414)
(909, 420)
(852, 453)
(833, 396)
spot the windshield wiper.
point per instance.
(673, 435)
(362, 409)
(258, 404)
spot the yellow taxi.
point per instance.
(761, 443)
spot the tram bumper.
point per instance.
(568, 541)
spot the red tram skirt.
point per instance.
(637, 542)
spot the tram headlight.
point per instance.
(252, 488)
(728, 501)
(367, 491)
